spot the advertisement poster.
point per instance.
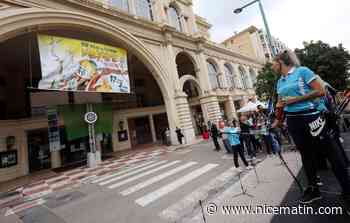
(77, 65)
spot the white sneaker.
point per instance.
(249, 167)
(239, 169)
(341, 140)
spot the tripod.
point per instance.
(257, 176)
(244, 190)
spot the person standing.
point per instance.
(205, 133)
(214, 132)
(233, 138)
(224, 136)
(179, 134)
(246, 137)
(297, 89)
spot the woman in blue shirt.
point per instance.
(298, 94)
(233, 138)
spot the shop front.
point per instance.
(40, 77)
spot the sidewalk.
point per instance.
(276, 189)
(30, 189)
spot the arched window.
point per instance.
(243, 77)
(174, 18)
(144, 9)
(120, 4)
(212, 75)
(229, 76)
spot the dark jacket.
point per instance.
(214, 131)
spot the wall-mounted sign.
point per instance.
(90, 117)
(122, 136)
(77, 65)
(8, 159)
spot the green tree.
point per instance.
(266, 81)
(331, 63)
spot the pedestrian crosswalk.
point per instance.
(149, 182)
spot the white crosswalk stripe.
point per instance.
(134, 179)
(122, 172)
(131, 173)
(156, 179)
(153, 196)
(113, 186)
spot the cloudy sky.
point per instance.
(292, 21)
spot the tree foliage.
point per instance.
(266, 81)
(331, 63)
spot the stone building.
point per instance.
(178, 78)
(253, 42)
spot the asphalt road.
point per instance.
(165, 189)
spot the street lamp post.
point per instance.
(269, 37)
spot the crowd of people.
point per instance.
(305, 115)
(249, 135)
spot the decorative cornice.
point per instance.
(216, 47)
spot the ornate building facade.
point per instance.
(178, 77)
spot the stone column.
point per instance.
(153, 130)
(211, 108)
(230, 108)
(170, 58)
(56, 159)
(132, 8)
(184, 114)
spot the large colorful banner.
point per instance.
(77, 65)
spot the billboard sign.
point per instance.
(77, 65)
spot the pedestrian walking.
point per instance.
(214, 132)
(179, 134)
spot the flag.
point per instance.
(270, 107)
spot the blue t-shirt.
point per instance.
(232, 136)
(296, 83)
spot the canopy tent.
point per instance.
(251, 106)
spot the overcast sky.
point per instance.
(292, 21)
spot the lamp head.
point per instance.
(238, 10)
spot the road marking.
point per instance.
(227, 157)
(184, 151)
(188, 203)
(151, 197)
(121, 172)
(131, 173)
(113, 186)
(156, 179)
(24, 206)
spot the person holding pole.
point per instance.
(297, 89)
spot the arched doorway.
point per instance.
(26, 118)
(186, 68)
(193, 91)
